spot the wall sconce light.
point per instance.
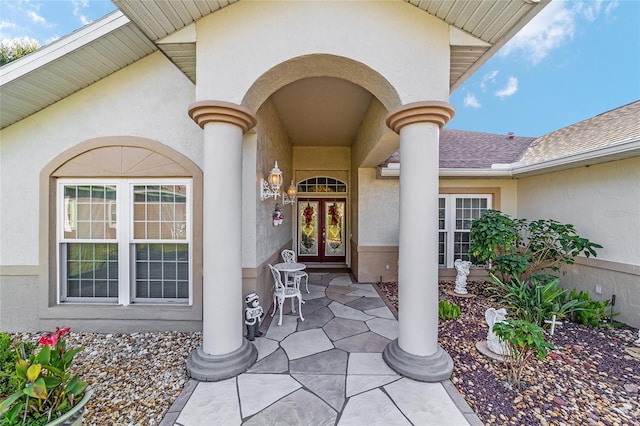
(271, 188)
(290, 196)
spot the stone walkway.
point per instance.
(327, 370)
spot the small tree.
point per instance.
(12, 49)
(518, 248)
(525, 341)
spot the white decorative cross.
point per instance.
(553, 323)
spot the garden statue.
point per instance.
(494, 343)
(462, 266)
(253, 316)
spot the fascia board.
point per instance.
(388, 172)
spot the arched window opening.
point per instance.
(322, 184)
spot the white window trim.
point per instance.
(450, 220)
(124, 239)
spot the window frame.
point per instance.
(450, 222)
(124, 209)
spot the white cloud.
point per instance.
(610, 6)
(78, 5)
(487, 78)
(6, 24)
(590, 10)
(35, 17)
(554, 26)
(551, 28)
(471, 101)
(509, 89)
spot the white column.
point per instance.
(416, 352)
(224, 352)
(418, 251)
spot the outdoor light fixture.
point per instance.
(271, 188)
(290, 196)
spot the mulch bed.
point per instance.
(587, 379)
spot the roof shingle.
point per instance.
(609, 128)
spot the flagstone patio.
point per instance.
(327, 370)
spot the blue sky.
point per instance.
(576, 59)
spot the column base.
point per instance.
(432, 368)
(213, 368)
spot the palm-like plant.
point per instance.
(534, 300)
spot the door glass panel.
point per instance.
(308, 230)
(334, 220)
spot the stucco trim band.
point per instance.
(203, 112)
(437, 112)
(625, 268)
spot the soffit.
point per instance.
(321, 111)
(68, 65)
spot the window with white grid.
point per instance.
(456, 213)
(124, 241)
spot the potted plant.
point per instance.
(48, 393)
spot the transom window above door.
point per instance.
(322, 185)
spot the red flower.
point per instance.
(62, 331)
(49, 339)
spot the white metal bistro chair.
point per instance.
(289, 256)
(282, 292)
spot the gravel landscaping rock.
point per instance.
(136, 377)
(587, 379)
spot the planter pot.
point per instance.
(73, 417)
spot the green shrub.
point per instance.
(535, 300)
(7, 363)
(525, 249)
(9, 383)
(525, 340)
(448, 311)
(594, 312)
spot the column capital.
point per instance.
(203, 112)
(437, 112)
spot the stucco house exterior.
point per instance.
(133, 153)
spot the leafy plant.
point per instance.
(47, 389)
(8, 356)
(519, 248)
(535, 300)
(525, 341)
(447, 310)
(594, 312)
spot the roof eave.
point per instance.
(394, 172)
(61, 47)
(615, 152)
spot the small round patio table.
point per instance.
(287, 268)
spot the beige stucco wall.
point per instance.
(504, 191)
(148, 99)
(273, 145)
(376, 243)
(603, 203)
(246, 39)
